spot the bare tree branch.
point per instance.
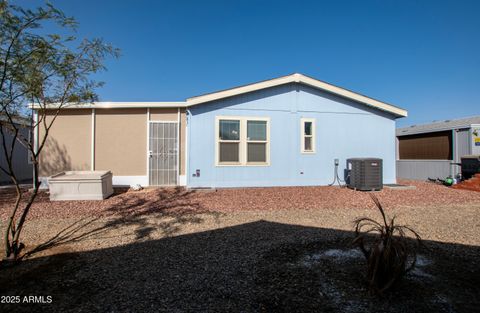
(44, 71)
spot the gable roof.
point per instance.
(293, 78)
(435, 126)
(301, 79)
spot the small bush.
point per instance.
(386, 248)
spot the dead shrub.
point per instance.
(390, 254)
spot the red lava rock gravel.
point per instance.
(180, 200)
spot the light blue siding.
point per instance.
(344, 129)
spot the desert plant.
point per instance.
(390, 254)
(42, 65)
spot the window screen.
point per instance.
(229, 141)
(308, 143)
(256, 141)
(229, 152)
(308, 128)
(229, 130)
(257, 130)
(257, 152)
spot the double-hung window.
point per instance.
(242, 141)
(307, 131)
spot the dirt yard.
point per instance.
(240, 250)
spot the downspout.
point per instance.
(147, 158)
(92, 162)
(187, 155)
(178, 146)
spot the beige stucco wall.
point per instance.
(68, 145)
(171, 114)
(121, 141)
(167, 114)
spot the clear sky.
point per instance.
(423, 56)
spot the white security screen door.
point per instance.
(163, 154)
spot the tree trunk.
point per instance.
(12, 234)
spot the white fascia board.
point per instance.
(239, 90)
(299, 78)
(294, 78)
(112, 105)
(352, 95)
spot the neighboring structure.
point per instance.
(22, 167)
(281, 132)
(434, 150)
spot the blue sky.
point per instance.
(423, 56)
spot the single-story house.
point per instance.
(435, 149)
(285, 131)
(21, 162)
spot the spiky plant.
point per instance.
(386, 247)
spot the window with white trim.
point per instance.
(307, 129)
(242, 141)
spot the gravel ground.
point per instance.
(232, 250)
(242, 199)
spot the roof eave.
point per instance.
(111, 105)
(434, 130)
(299, 78)
(293, 78)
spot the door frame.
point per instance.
(149, 122)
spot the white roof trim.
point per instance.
(298, 78)
(114, 105)
(294, 78)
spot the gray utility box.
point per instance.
(365, 174)
(470, 165)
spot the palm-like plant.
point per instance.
(386, 247)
